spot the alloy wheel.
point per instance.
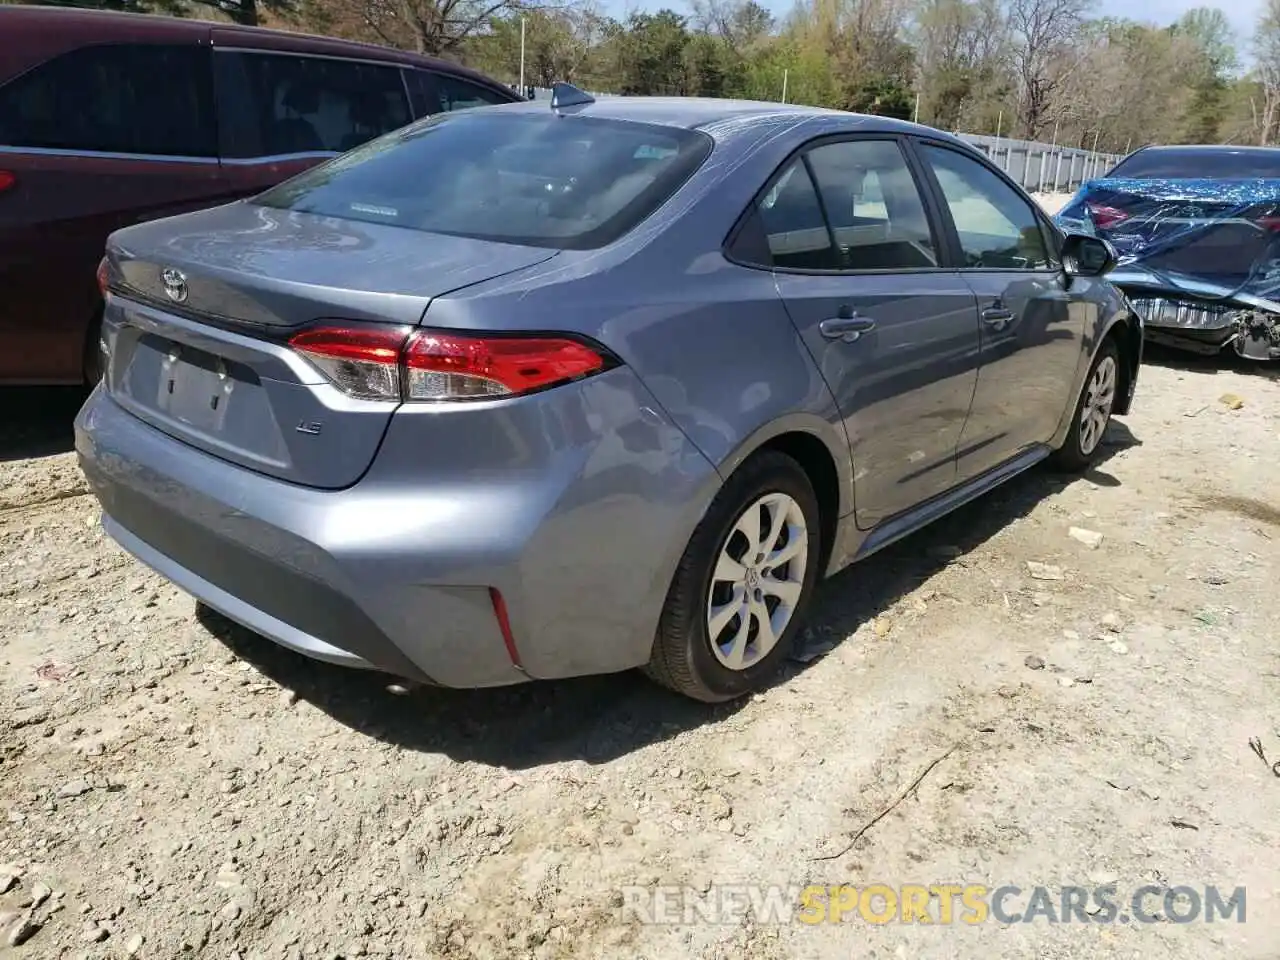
(757, 581)
(1096, 410)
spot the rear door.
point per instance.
(281, 112)
(893, 330)
(95, 139)
(1032, 330)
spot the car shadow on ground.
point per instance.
(597, 719)
(1161, 355)
(37, 421)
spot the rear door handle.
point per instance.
(847, 329)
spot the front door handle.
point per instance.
(847, 329)
(996, 317)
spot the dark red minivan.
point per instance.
(107, 119)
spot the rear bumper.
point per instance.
(575, 509)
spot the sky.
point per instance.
(1242, 14)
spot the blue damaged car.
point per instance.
(1196, 230)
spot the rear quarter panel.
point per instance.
(709, 338)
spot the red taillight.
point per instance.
(450, 366)
(395, 363)
(103, 276)
(1105, 217)
(1270, 221)
(7, 180)
(361, 360)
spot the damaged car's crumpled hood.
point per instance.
(1221, 237)
(1212, 244)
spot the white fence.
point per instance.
(1039, 167)
(1043, 167)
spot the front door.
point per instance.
(1032, 331)
(894, 335)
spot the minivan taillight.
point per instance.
(7, 180)
(399, 363)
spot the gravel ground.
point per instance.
(172, 786)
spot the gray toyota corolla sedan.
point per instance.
(536, 391)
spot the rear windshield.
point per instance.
(1224, 164)
(568, 182)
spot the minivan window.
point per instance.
(535, 179)
(1219, 164)
(146, 99)
(456, 94)
(272, 104)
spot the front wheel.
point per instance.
(735, 602)
(1093, 411)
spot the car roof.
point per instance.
(1205, 148)
(73, 26)
(722, 116)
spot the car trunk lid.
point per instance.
(203, 306)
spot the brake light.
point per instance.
(398, 363)
(448, 366)
(103, 276)
(1105, 217)
(361, 361)
(1270, 221)
(7, 180)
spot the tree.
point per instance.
(1207, 32)
(963, 48)
(1044, 54)
(652, 54)
(245, 12)
(1266, 53)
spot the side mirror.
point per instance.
(1086, 256)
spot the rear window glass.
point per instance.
(542, 180)
(1222, 164)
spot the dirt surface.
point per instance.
(171, 787)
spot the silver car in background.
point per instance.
(531, 392)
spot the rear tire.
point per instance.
(1092, 412)
(747, 574)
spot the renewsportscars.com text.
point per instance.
(944, 903)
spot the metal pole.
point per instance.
(995, 147)
(1044, 158)
(522, 90)
(1094, 158)
(1057, 170)
(916, 116)
(784, 85)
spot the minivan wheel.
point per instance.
(740, 590)
(1093, 411)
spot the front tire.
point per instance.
(1093, 411)
(739, 593)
